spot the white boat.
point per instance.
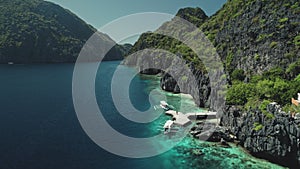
(165, 105)
(10, 63)
(168, 124)
(170, 127)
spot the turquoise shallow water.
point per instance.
(39, 127)
(215, 156)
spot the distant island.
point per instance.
(36, 31)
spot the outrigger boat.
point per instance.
(170, 127)
(166, 106)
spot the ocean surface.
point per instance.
(40, 130)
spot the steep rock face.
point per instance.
(194, 15)
(256, 35)
(199, 88)
(276, 138)
(194, 64)
(36, 31)
(253, 36)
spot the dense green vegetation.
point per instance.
(158, 41)
(168, 44)
(231, 9)
(40, 31)
(193, 15)
(275, 85)
(258, 42)
(239, 23)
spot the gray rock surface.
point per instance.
(278, 138)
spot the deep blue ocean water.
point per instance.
(40, 130)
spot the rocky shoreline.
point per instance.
(275, 138)
(254, 39)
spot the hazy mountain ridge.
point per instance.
(36, 31)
